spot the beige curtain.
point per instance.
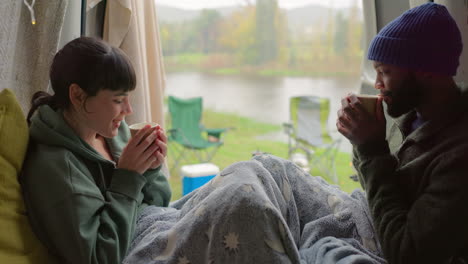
(132, 26)
(26, 50)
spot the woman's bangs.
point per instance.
(119, 72)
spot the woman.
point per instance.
(85, 180)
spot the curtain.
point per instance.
(132, 26)
(27, 50)
(95, 11)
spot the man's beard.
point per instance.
(405, 98)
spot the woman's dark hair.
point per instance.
(90, 63)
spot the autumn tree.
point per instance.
(354, 32)
(266, 37)
(237, 34)
(206, 25)
(340, 43)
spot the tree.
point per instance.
(354, 32)
(171, 38)
(206, 25)
(340, 44)
(267, 16)
(237, 34)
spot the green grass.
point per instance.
(227, 71)
(188, 59)
(224, 64)
(273, 72)
(240, 142)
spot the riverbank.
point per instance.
(224, 64)
(248, 137)
(261, 98)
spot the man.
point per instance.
(418, 194)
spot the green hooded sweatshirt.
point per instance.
(80, 205)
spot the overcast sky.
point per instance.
(199, 4)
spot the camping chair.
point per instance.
(187, 133)
(308, 135)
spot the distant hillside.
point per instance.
(176, 15)
(312, 14)
(307, 15)
(297, 17)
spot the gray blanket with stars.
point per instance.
(265, 210)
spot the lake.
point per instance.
(261, 98)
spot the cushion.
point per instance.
(18, 244)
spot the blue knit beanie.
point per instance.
(423, 38)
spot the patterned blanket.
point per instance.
(266, 210)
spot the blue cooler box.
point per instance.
(194, 176)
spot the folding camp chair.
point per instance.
(308, 134)
(187, 133)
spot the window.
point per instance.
(249, 57)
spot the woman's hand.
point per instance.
(142, 153)
(161, 152)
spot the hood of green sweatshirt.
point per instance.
(49, 128)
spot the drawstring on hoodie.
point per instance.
(103, 180)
